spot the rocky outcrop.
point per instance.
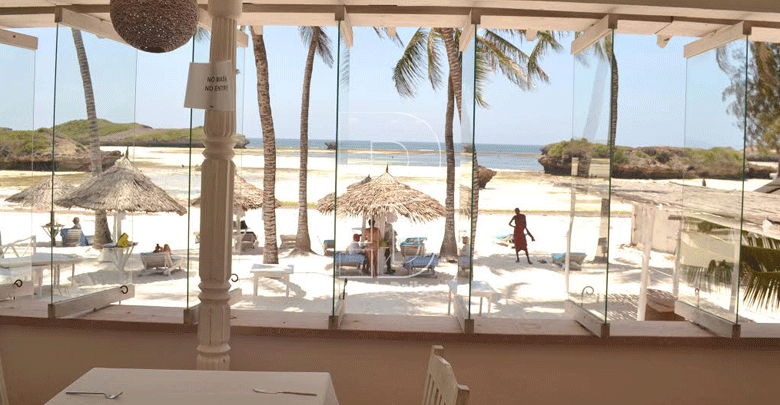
(68, 156)
(484, 175)
(661, 162)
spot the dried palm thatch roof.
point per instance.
(386, 194)
(771, 187)
(246, 196)
(327, 204)
(39, 196)
(121, 188)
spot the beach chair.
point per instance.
(345, 259)
(441, 387)
(161, 261)
(329, 247)
(72, 238)
(288, 241)
(413, 246)
(427, 264)
(506, 240)
(575, 260)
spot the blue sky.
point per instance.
(149, 88)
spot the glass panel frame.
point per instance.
(591, 189)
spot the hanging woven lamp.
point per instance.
(155, 25)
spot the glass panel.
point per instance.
(80, 265)
(23, 234)
(391, 181)
(161, 150)
(591, 153)
(199, 53)
(308, 288)
(520, 142)
(467, 190)
(712, 210)
(650, 126)
(760, 252)
(341, 232)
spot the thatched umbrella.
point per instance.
(122, 188)
(246, 196)
(385, 195)
(327, 204)
(39, 196)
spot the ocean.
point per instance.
(494, 156)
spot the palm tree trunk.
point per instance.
(613, 107)
(303, 241)
(449, 246)
(270, 249)
(102, 233)
(454, 61)
(456, 71)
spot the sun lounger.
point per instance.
(506, 240)
(274, 271)
(413, 246)
(346, 259)
(288, 241)
(329, 247)
(428, 263)
(575, 259)
(161, 261)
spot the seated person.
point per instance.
(76, 225)
(354, 247)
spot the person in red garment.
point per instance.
(519, 237)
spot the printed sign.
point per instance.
(210, 87)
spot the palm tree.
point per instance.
(421, 60)
(319, 43)
(270, 249)
(102, 233)
(604, 51)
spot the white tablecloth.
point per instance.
(191, 387)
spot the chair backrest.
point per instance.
(20, 248)
(157, 259)
(441, 387)
(72, 237)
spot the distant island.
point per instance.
(25, 150)
(652, 162)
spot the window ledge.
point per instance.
(393, 327)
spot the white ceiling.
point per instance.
(664, 17)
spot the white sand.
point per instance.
(524, 291)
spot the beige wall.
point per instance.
(41, 361)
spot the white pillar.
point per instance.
(216, 215)
(647, 241)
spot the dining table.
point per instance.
(36, 263)
(199, 387)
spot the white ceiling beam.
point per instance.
(204, 21)
(662, 40)
(717, 39)
(88, 23)
(594, 33)
(530, 35)
(762, 34)
(467, 30)
(391, 31)
(345, 26)
(18, 40)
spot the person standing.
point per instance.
(519, 235)
(372, 238)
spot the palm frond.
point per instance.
(410, 69)
(761, 276)
(322, 42)
(497, 56)
(201, 35)
(434, 58)
(384, 32)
